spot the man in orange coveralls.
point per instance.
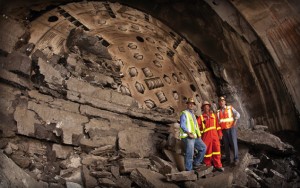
(211, 135)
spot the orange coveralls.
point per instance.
(210, 130)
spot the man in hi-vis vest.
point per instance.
(191, 136)
(228, 117)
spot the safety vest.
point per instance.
(190, 124)
(226, 117)
(211, 126)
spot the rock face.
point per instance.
(90, 97)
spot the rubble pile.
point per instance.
(65, 123)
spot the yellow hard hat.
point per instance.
(190, 100)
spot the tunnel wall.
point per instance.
(243, 53)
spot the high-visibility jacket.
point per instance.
(211, 131)
(191, 126)
(212, 124)
(226, 119)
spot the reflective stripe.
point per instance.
(218, 128)
(191, 126)
(213, 153)
(226, 120)
(210, 128)
(226, 117)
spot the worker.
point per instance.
(211, 135)
(228, 117)
(191, 137)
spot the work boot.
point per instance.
(199, 166)
(219, 169)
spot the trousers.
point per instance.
(190, 144)
(230, 143)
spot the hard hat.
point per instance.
(205, 103)
(190, 100)
(221, 98)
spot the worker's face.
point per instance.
(206, 108)
(190, 106)
(222, 103)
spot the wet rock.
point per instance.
(163, 166)
(260, 127)
(99, 79)
(14, 79)
(72, 175)
(103, 150)
(35, 147)
(129, 164)
(115, 171)
(253, 182)
(266, 162)
(101, 174)
(62, 152)
(90, 159)
(8, 99)
(239, 174)
(11, 31)
(89, 181)
(55, 185)
(177, 159)
(54, 103)
(221, 180)
(25, 120)
(21, 160)
(69, 123)
(90, 144)
(3, 143)
(147, 178)
(73, 185)
(264, 141)
(123, 181)
(106, 182)
(17, 62)
(16, 177)
(51, 75)
(74, 161)
(182, 176)
(144, 140)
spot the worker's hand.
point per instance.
(234, 123)
(220, 137)
(191, 135)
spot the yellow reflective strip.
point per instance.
(189, 127)
(210, 128)
(202, 119)
(189, 118)
(209, 155)
(216, 153)
(218, 128)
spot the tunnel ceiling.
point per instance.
(157, 66)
